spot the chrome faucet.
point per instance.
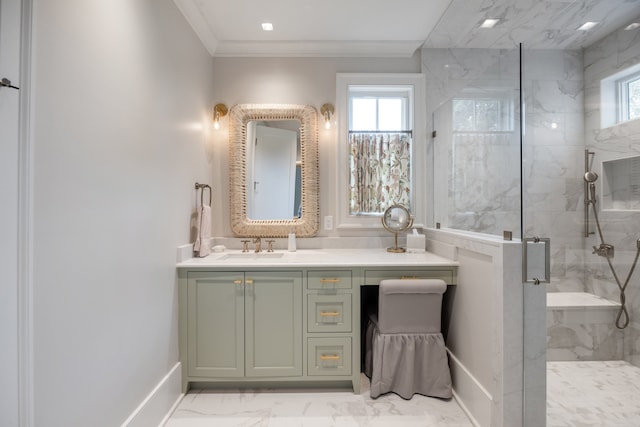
(258, 244)
(604, 250)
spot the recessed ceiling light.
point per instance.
(267, 26)
(587, 26)
(632, 26)
(489, 23)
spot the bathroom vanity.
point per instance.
(287, 318)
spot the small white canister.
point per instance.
(416, 242)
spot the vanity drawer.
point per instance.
(329, 356)
(329, 279)
(373, 277)
(329, 313)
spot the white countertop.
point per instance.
(317, 258)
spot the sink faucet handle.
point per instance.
(245, 245)
(270, 243)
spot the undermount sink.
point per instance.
(253, 255)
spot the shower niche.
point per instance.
(621, 184)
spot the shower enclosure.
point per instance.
(524, 140)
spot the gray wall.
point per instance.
(121, 113)
(289, 80)
(10, 220)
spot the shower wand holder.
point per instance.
(604, 250)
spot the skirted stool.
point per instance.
(404, 348)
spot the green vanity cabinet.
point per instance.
(332, 320)
(298, 326)
(267, 326)
(215, 324)
(242, 325)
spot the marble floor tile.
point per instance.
(580, 394)
(593, 393)
(321, 408)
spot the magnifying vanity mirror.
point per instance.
(397, 219)
(273, 170)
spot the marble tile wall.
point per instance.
(477, 174)
(611, 55)
(583, 334)
(553, 150)
(554, 160)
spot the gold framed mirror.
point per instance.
(247, 191)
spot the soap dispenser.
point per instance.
(292, 241)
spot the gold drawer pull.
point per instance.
(329, 280)
(237, 282)
(249, 281)
(408, 277)
(329, 313)
(328, 357)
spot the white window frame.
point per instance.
(418, 155)
(506, 113)
(406, 94)
(623, 96)
(614, 97)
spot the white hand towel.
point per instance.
(202, 245)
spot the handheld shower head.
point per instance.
(590, 176)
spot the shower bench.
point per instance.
(581, 326)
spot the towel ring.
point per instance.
(202, 187)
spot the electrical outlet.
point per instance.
(328, 222)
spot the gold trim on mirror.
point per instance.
(308, 223)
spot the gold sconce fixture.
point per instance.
(220, 110)
(327, 111)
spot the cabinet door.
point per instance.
(273, 329)
(215, 324)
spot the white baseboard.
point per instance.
(157, 407)
(473, 398)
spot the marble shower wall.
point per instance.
(476, 173)
(477, 184)
(554, 160)
(614, 53)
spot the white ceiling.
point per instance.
(359, 28)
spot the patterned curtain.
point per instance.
(379, 166)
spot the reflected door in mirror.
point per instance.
(274, 174)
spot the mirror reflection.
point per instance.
(274, 169)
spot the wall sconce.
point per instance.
(220, 110)
(327, 111)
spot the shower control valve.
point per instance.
(604, 250)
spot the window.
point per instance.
(377, 147)
(629, 97)
(372, 109)
(483, 112)
(620, 97)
